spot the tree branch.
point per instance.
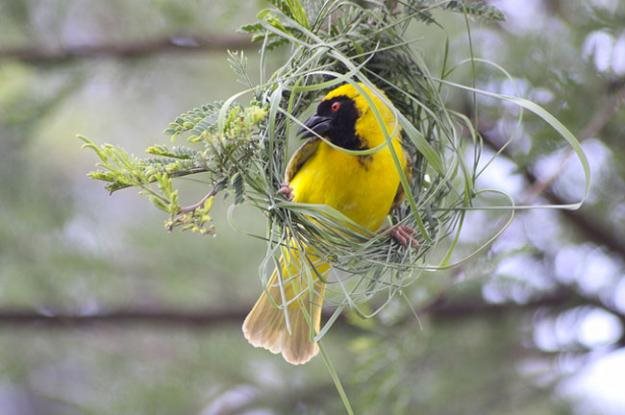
(208, 318)
(592, 229)
(441, 310)
(607, 109)
(136, 49)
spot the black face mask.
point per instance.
(335, 120)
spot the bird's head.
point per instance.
(344, 117)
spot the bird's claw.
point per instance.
(286, 191)
(405, 236)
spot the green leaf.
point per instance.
(238, 184)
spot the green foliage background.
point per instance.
(67, 247)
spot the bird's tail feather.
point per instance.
(266, 325)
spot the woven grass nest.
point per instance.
(243, 150)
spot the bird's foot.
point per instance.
(286, 191)
(405, 236)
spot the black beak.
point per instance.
(316, 123)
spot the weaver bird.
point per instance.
(363, 188)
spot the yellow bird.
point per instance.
(363, 188)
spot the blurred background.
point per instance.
(104, 312)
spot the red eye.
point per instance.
(335, 106)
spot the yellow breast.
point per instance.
(361, 187)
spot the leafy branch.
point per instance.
(220, 154)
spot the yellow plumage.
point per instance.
(363, 188)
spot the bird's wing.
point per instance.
(300, 157)
(399, 196)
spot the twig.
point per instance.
(179, 216)
(195, 206)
